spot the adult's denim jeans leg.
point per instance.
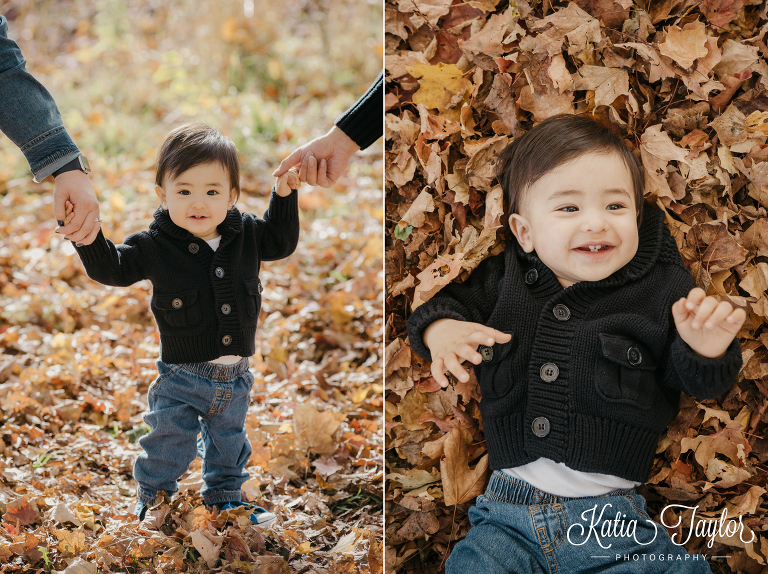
(170, 446)
(226, 445)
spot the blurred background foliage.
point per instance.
(270, 75)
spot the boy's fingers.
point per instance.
(438, 366)
(718, 315)
(680, 310)
(453, 365)
(737, 318)
(480, 338)
(695, 297)
(703, 312)
(469, 353)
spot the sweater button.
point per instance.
(634, 356)
(226, 309)
(562, 312)
(549, 372)
(226, 340)
(194, 248)
(177, 303)
(531, 276)
(540, 427)
(486, 352)
(219, 272)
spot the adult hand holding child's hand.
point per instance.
(287, 182)
(451, 342)
(708, 326)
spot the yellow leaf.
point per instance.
(305, 548)
(438, 84)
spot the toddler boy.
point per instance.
(583, 332)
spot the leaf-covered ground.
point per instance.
(76, 357)
(684, 83)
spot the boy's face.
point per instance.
(580, 218)
(198, 199)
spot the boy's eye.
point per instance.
(569, 208)
(183, 192)
(212, 192)
(615, 206)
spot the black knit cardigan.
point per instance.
(593, 372)
(206, 303)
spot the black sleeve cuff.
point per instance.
(702, 377)
(95, 251)
(364, 121)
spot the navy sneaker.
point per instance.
(260, 516)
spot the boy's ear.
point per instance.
(232, 198)
(521, 229)
(160, 194)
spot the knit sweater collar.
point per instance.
(230, 227)
(649, 247)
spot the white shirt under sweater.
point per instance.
(225, 359)
(560, 480)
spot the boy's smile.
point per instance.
(580, 218)
(198, 199)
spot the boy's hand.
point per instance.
(451, 342)
(287, 182)
(708, 326)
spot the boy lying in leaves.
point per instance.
(202, 256)
(583, 332)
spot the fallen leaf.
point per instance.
(460, 482)
(685, 45)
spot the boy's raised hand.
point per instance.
(706, 324)
(451, 342)
(287, 182)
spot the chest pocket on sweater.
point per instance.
(178, 309)
(625, 371)
(494, 373)
(253, 300)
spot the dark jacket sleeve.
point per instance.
(119, 265)
(364, 121)
(277, 233)
(472, 301)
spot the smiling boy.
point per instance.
(583, 332)
(202, 256)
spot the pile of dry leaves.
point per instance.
(684, 83)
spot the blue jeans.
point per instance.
(517, 528)
(186, 399)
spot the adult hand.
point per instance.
(323, 160)
(450, 342)
(75, 187)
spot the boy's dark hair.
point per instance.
(190, 145)
(553, 142)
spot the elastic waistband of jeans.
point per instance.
(215, 371)
(510, 489)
